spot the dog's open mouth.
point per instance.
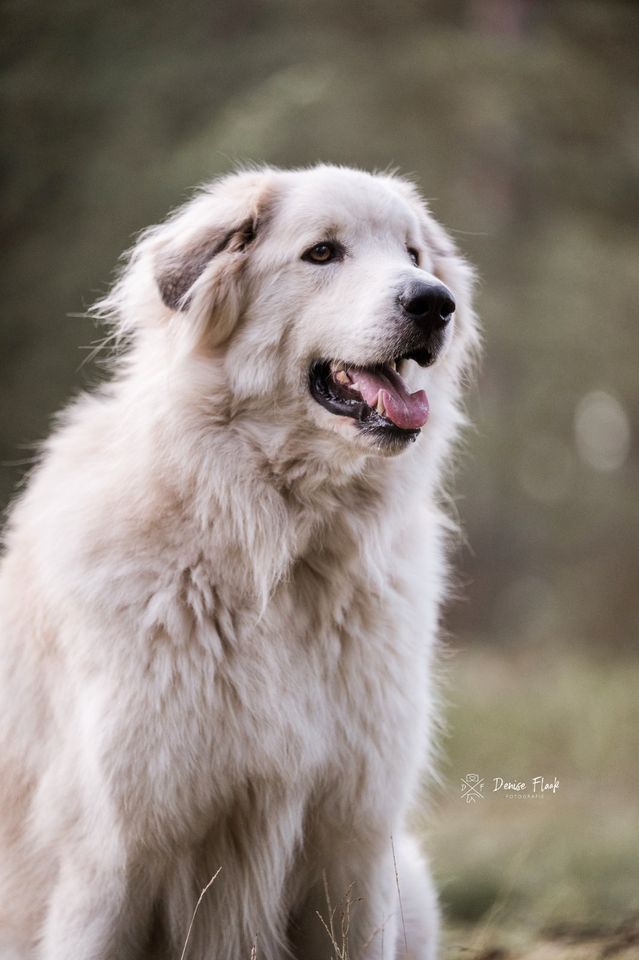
(376, 396)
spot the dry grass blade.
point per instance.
(197, 906)
(339, 954)
(340, 947)
(399, 895)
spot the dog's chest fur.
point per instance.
(315, 695)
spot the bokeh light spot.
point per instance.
(602, 431)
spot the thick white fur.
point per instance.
(218, 604)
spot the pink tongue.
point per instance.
(407, 410)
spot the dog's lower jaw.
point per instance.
(387, 442)
(360, 442)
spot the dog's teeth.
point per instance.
(381, 409)
(342, 377)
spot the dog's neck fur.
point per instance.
(308, 491)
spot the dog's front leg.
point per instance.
(95, 912)
(370, 907)
(418, 909)
(352, 911)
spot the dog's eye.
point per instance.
(324, 252)
(414, 255)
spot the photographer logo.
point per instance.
(472, 788)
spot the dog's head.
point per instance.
(331, 297)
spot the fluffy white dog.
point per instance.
(220, 590)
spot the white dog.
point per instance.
(220, 590)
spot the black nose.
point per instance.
(430, 305)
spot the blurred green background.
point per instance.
(520, 120)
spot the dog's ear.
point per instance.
(200, 253)
(177, 274)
